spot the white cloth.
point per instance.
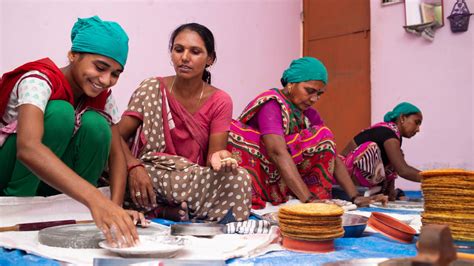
(248, 227)
(16, 210)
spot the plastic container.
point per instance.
(308, 246)
(353, 224)
(391, 227)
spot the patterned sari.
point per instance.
(365, 163)
(312, 148)
(209, 194)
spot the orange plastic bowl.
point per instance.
(308, 246)
(391, 227)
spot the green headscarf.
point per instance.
(401, 109)
(107, 38)
(305, 69)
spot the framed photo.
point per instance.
(391, 2)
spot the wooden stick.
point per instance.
(40, 225)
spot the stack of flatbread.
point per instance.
(449, 200)
(311, 221)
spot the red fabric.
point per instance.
(312, 150)
(312, 171)
(60, 88)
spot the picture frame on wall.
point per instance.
(390, 2)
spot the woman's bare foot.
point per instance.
(174, 213)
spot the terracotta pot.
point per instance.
(391, 227)
(308, 246)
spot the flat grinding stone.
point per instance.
(80, 236)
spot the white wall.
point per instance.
(256, 39)
(436, 76)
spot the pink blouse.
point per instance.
(268, 119)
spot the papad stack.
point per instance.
(449, 200)
(311, 221)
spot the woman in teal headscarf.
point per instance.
(57, 127)
(375, 158)
(283, 143)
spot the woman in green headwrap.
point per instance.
(283, 143)
(57, 127)
(375, 158)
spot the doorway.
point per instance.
(338, 33)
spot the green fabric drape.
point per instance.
(85, 152)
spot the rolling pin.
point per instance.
(40, 225)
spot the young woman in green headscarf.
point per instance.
(57, 127)
(283, 143)
(374, 156)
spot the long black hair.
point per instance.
(208, 38)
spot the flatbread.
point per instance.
(312, 210)
(447, 171)
(316, 219)
(309, 228)
(313, 237)
(303, 222)
(449, 200)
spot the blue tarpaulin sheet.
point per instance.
(367, 246)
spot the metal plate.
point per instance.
(271, 217)
(150, 246)
(400, 204)
(84, 235)
(197, 229)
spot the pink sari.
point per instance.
(365, 163)
(312, 148)
(190, 135)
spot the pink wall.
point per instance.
(436, 76)
(256, 39)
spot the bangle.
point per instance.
(134, 166)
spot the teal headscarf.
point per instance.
(401, 109)
(107, 38)
(305, 69)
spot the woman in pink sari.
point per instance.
(283, 143)
(178, 164)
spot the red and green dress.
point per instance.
(310, 144)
